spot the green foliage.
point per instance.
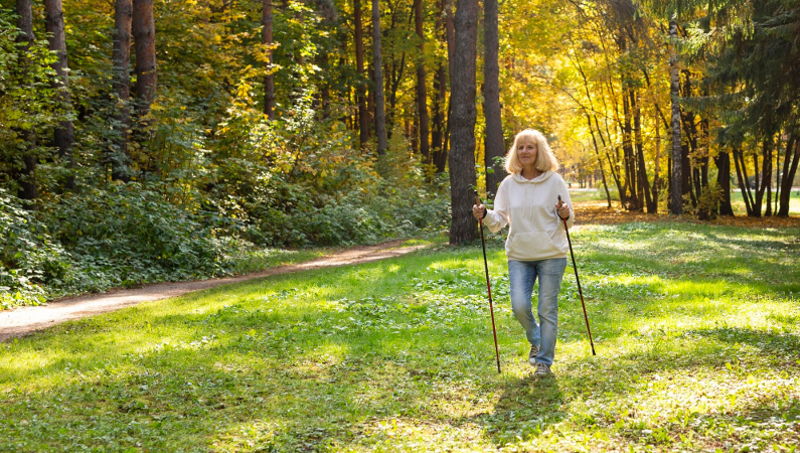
(28, 105)
(129, 234)
(299, 181)
(760, 62)
(28, 255)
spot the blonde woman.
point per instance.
(527, 200)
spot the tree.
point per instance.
(439, 102)
(119, 158)
(760, 65)
(26, 37)
(144, 36)
(675, 186)
(64, 132)
(462, 119)
(422, 95)
(493, 142)
(361, 97)
(269, 78)
(380, 109)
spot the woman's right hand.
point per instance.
(478, 211)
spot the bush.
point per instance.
(28, 255)
(129, 234)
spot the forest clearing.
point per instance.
(696, 350)
(203, 145)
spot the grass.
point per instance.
(696, 329)
(737, 202)
(246, 261)
(739, 208)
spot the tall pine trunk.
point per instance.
(643, 188)
(493, 142)
(723, 163)
(440, 103)
(790, 161)
(26, 178)
(675, 185)
(438, 151)
(380, 109)
(64, 134)
(634, 202)
(118, 158)
(144, 36)
(266, 40)
(462, 154)
(361, 97)
(422, 93)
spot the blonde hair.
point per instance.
(545, 160)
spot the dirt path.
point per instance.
(25, 320)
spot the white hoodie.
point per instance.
(528, 207)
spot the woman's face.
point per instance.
(526, 152)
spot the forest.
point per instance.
(146, 140)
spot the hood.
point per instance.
(539, 179)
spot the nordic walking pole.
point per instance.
(578, 280)
(488, 285)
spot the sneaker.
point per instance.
(532, 355)
(542, 370)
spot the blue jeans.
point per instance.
(522, 275)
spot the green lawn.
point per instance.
(697, 330)
(737, 202)
(739, 208)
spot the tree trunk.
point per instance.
(763, 179)
(676, 189)
(493, 142)
(361, 98)
(26, 180)
(656, 163)
(438, 151)
(691, 177)
(744, 186)
(790, 161)
(599, 159)
(266, 40)
(462, 155)
(64, 133)
(778, 174)
(422, 93)
(591, 129)
(144, 36)
(441, 104)
(643, 182)
(631, 177)
(118, 158)
(392, 86)
(723, 163)
(380, 109)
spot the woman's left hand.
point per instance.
(562, 209)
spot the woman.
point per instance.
(527, 200)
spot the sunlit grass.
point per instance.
(739, 208)
(696, 329)
(737, 202)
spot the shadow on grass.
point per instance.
(524, 409)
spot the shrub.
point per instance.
(129, 234)
(28, 255)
